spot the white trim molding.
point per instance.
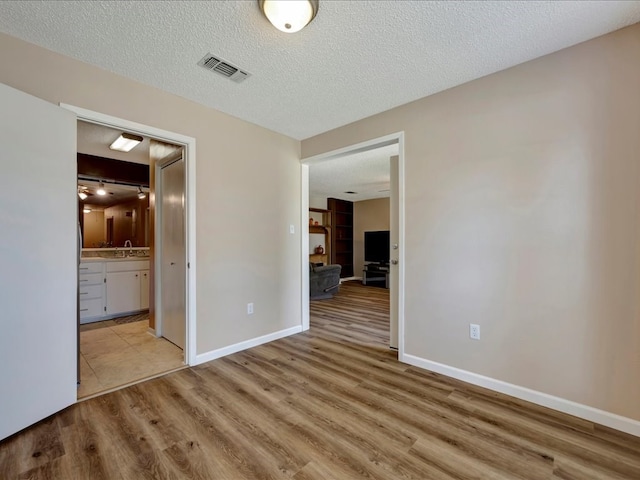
(585, 412)
(244, 345)
(304, 235)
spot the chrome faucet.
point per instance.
(130, 247)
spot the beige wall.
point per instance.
(368, 215)
(241, 169)
(521, 200)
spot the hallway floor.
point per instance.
(113, 355)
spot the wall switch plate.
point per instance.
(292, 229)
(249, 308)
(474, 331)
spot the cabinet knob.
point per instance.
(394, 262)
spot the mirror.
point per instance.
(110, 220)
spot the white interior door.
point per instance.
(173, 252)
(394, 241)
(38, 254)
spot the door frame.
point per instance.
(189, 152)
(372, 144)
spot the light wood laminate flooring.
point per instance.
(331, 403)
(114, 354)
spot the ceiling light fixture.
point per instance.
(101, 191)
(86, 210)
(289, 16)
(141, 194)
(125, 142)
(81, 193)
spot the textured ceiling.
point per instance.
(357, 58)
(95, 140)
(365, 173)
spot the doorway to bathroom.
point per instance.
(118, 350)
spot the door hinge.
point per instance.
(188, 264)
(105, 309)
(104, 280)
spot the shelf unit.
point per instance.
(323, 217)
(342, 238)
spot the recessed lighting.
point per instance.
(86, 210)
(125, 142)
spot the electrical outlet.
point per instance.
(250, 308)
(474, 331)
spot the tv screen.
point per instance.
(376, 246)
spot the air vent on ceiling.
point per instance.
(222, 67)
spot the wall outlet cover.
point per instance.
(474, 331)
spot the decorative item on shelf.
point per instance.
(316, 223)
(319, 250)
(311, 221)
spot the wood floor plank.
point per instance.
(330, 403)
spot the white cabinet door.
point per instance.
(38, 254)
(144, 290)
(123, 292)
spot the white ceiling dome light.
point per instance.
(289, 16)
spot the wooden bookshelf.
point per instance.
(323, 217)
(342, 235)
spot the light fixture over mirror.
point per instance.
(289, 16)
(125, 142)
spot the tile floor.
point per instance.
(113, 355)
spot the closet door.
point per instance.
(38, 254)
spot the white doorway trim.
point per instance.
(189, 144)
(372, 144)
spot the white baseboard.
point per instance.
(585, 412)
(238, 347)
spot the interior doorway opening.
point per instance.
(395, 163)
(136, 337)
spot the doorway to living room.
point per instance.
(359, 189)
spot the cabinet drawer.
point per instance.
(90, 279)
(93, 267)
(91, 308)
(128, 266)
(90, 291)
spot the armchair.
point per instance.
(323, 281)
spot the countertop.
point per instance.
(112, 259)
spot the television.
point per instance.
(376, 247)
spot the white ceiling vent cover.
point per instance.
(224, 68)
